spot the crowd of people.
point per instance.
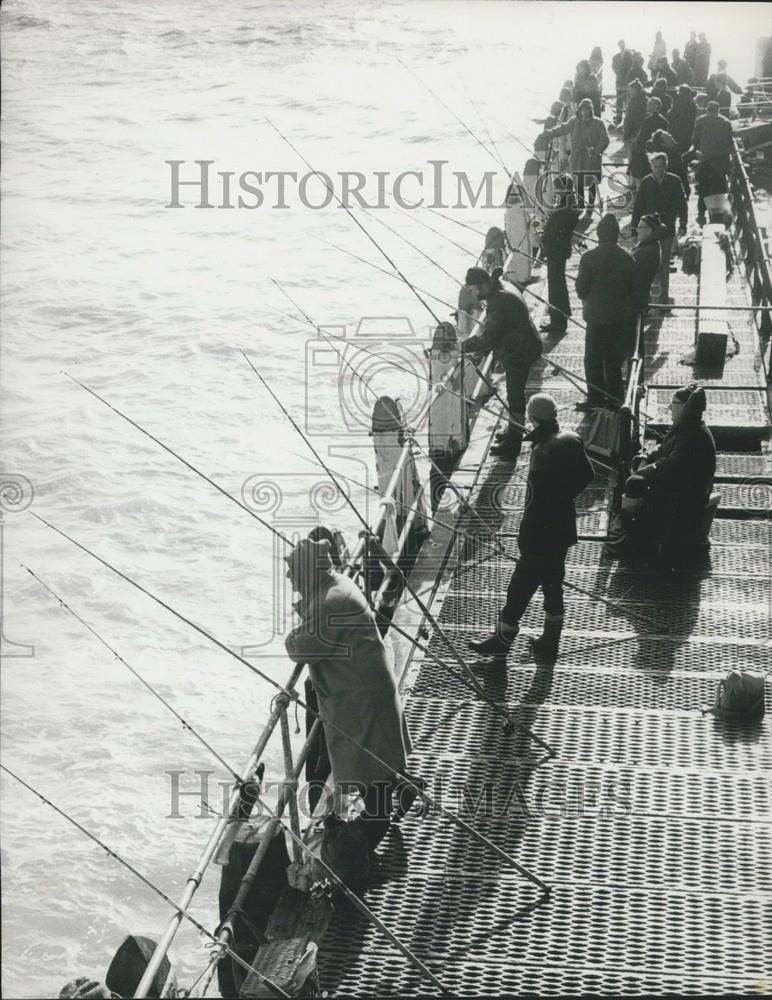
(366, 741)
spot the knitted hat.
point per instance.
(308, 561)
(541, 406)
(476, 276)
(608, 229)
(693, 398)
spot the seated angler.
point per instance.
(667, 495)
(359, 705)
(509, 332)
(558, 472)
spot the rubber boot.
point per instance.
(497, 644)
(510, 444)
(545, 648)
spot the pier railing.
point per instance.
(399, 527)
(754, 242)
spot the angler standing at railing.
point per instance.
(556, 246)
(510, 333)
(339, 640)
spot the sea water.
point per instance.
(150, 306)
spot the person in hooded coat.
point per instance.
(558, 472)
(509, 332)
(683, 71)
(690, 49)
(637, 70)
(359, 703)
(586, 86)
(589, 140)
(604, 284)
(659, 50)
(682, 117)
(668, 492)
(635, 113)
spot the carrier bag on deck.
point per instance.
(739, 697)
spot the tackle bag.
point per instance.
(739, 697)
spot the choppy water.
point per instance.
(150, 306)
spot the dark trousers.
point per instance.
(604, 346)
(516, 376)
(589, 182)
(543, 567)
(557, 293)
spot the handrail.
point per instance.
(279, 708)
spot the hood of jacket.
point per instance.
(608, 229)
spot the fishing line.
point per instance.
(159, 892)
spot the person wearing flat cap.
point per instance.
(669, 490)
(558, 472)
(359, 704)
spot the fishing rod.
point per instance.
(502, 712)
(454, 115)
(351, 215)
(185, 724)
(185, 462)
(488, 133)
(294, 697)
(361, 906)
(380, 249)
(383, 556)
(275, 989)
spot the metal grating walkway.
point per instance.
(653, 824)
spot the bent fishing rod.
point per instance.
(350, 894)
(509, 722)
(377, 245)
(273, 987)
(383, 556)
(293, 696)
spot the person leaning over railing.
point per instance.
(357, 695)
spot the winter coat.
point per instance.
(690, 51)
(585, 135)
(657, 53)
(639, 161)
(666, 197)
(683, 71)
(605, 284)
(586, 87)
(637, 71)
(713, 138)
(508, 329)
(679, 475)
(339, 640)
(702, 63)
(556, 237)
(635, 115)
(666, 73)
(621, 64)
(664, 142)
(682, 117)
(558, 472)
(646, 260)
(712, 87)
